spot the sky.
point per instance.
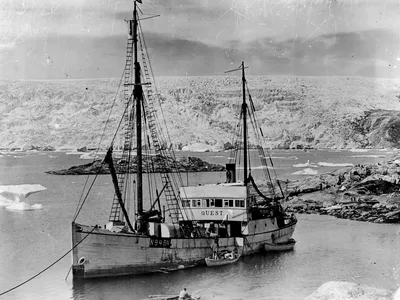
(61, 39)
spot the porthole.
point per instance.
(81, 261)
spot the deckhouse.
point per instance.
(222, 202)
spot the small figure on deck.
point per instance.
(184, 295)
(210, 231)
(215, 247)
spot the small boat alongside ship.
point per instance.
(141, 236)
(216, 262)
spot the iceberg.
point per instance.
(24, 206)
(91, 155)
(283, 157)
(197, 147)
(19, 192)
(13, 196)
(306, 171)
(306, 165)
(373, 156)
(358, 150)
(327, 164)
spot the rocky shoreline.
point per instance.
(369, 193)
(151, 164)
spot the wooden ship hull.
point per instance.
(283, 246)
(102, 253)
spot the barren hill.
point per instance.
(319, 112)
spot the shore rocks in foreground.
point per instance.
(367, 210)
(151, 164)
(368, 193)
(339, 290)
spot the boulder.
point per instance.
(228, 146)
(28, 148)
(46, 148)
(340, 290)
(83, 149)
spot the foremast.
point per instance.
(133, 110)
(140, 115)
(138, 98)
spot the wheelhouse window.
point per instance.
(208, 202)
(230, 203)
(196, 203)
(185, 203)
(218, 202)
(239, 203)
(226, 203)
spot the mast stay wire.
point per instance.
(162, 135)
(77, 210)
(261, 149)
(49, 266)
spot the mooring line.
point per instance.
(45, 269)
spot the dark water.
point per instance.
(327, 248)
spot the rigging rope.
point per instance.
(48, 267)
(98, 147)
(80, 205)
(261, 149)
(173, 180)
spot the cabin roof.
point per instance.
(214, 191)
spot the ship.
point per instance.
(194, 221)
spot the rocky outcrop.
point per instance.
(340, 290)
(363, 193)
(157, 163)
(37, 148)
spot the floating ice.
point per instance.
(91, 155)
(5, 201)
(18, 193)
(306, 171)
(358, 150)
(306, 165)
(374, 156)
(283, 157)
(11, 196)
(24, 206)
(326, 164)
(256, 168)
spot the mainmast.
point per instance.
(244, 113)
(138, 97)
(244, 110)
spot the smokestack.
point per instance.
(230, 173)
